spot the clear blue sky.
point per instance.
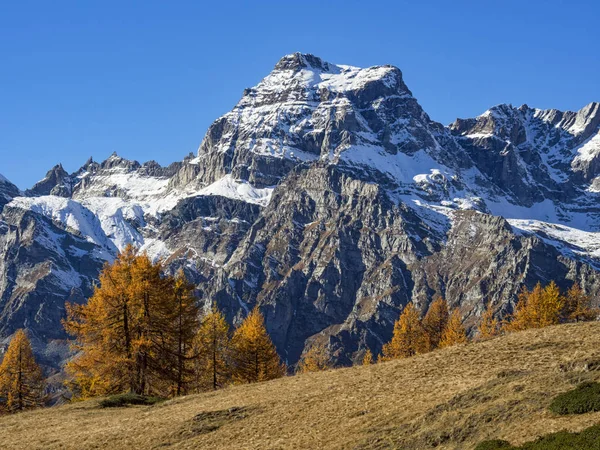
(146, 79)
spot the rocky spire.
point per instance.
(56, 182)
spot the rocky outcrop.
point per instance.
(42, 266)
(8, 191)
(56, 182)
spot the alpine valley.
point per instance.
(329, 198)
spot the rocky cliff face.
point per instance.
(329, 198)
(8, 191)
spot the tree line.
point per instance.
(540, 307)
(142, 332)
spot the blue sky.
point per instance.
(146, 79)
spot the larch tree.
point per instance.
(577, 306)
(253, 354)
(104, 332)
(435, 322)
(455, 332)
(21, 379)
(552, 305)
(316, 359)
(409, 336)
(489, 325)
(538, 308)
(151, 296)
(184, 323)
(128, 334)
(368, 358)
(209, 353)
(526, 310)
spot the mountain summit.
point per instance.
(328, 198)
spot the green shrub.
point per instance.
(119, 400)
(584, 398)
(494, 444)
(588, 439)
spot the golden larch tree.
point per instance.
(435, 322)
(128, 334)
(183, 314)
(21, 379)
(103, 329)
(253, 354)
(524, 315)
(552, 305)
(316, 359)
(489, 325)
(538, 308)
(409, 336)
(209, 353)
(577, 306)
(368, 358)
(455, 332)
(153, 331)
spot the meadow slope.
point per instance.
(451, 399)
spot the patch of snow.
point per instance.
(155, 249)
(68, 212)
(578, 241)
(589, 150)
(238, 190)
(401, 167)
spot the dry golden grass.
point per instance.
(451, 398)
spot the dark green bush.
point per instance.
(588, 439)
(119, 400)
(494, 444)
(584, 398)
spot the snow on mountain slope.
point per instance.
(546, 162)
(366, 119)
(238, 190)
(567, 239)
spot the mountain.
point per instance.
(8, 191)
(453, 398)
(329, 198)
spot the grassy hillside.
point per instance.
(451, 398)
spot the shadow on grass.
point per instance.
(120, 400)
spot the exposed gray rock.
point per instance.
(56, 182)
(8, 191)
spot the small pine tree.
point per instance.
(409, 337)
(577, 306)
(435, 322)
(489, 326)
(210, 352)
(368, 358)
(253, 354)
(455, 332)
(316, 359)
(21, 379)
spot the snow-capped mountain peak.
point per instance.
(330, 198)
